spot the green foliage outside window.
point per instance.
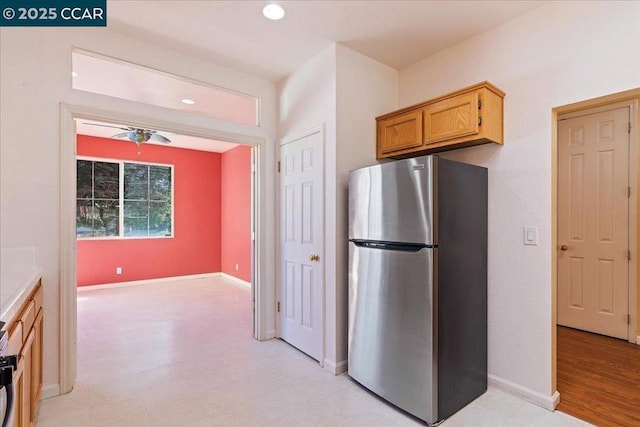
(145, 197)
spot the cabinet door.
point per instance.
(25, 397)
(18, 417)
(400, 132)
(36, 365)
(451, 118)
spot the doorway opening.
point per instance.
(158, 210)
(594, 272)
(68, 278)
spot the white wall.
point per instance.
(365, 89)
(560, 53)
(343, 91)
(35, 78)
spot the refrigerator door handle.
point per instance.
(391, 246)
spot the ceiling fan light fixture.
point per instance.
(188, 101)
(139, 136)
(273, 11)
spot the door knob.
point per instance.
(564, 247)
(314, 257)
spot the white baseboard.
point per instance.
(236, 280)
(555, 399)
(538, 399)
(147, 281)
(335, 368)
(270, 334)
(50, 390)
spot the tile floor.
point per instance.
(181, 354)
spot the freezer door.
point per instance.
(393, 201)
(391, 342)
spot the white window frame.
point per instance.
(121, 163)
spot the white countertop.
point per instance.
(18, 277)
(14, 288)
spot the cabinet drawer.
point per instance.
(15, 339)
(37, 298)
(27, 318)
(451, 118)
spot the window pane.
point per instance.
(145, 85)
(106, 218)
(84, 179)
(136, 181)
(84, 218)
(160, 183)
(159, 219)
(136, 219)
(147, 200)
(106, 177)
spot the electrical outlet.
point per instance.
(118, 270)
(236, 267)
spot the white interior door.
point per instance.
(593, 222)
(301, 244)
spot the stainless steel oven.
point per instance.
(7, 364)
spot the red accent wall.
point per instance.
(196, 245)
(236, 212)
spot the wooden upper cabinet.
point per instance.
(470, 116)
(451, 118)
(400, 133)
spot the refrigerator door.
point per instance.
(391, 342)
(393, 202)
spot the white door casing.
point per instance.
(301, 244)
(593, 222)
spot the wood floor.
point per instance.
(598, 378)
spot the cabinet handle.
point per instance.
(480, 121)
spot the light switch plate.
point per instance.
(530, 235)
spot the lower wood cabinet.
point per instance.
(36, 364)
(25, 340)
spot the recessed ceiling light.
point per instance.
(273, 11)
(188, 101)
(74, 74)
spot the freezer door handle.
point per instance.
(391, 246)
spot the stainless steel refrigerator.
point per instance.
(418, 283)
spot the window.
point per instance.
(147, 200)
(144, 191)
(209, 100)
(98, 204)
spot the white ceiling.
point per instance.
(86, 127)
(236, 35)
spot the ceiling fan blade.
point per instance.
(106, 126)
(121, 135)
(159, 138)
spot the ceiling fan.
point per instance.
(137, 135)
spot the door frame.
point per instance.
(630, 98)
(67, 278)
(323, 315)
